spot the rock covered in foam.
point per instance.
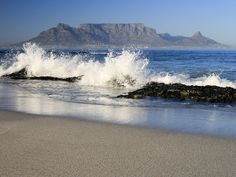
(211, 94)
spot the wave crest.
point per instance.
(125, 69)
(211, 79)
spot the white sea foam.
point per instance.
(212, 79)
(126, 69)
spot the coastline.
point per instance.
(36, 145)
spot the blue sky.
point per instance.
(23, 19)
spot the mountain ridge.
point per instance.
(115, 35)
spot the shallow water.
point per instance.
(182, 119)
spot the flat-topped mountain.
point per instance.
(116, 35)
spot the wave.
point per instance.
(211, 79)
(127, 69)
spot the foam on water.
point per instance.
(212, 79)
(128, 69)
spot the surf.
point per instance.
(128, 68)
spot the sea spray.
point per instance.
(126, 69)
(211, 79)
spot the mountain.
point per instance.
(196, 40)
(115, 35)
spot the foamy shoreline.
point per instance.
(127, 69)
(36, 145)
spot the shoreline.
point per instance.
(80, 118)
(194, 120)
(38, 145)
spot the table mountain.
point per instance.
(116, 35)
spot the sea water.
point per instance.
(108, 73)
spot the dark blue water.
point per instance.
(194, 62)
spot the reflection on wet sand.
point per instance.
(212, 122)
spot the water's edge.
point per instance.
(185, 120)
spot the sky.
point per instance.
(23, 19)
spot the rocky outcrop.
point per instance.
(115, 35)
(22, 74)
(211, 94)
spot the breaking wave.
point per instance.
(212, 79)
(126, 69)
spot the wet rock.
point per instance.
(22, 74)
(211, 94)
(126, 80)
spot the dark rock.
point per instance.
(22, 74)
(212, 94)
(121, 83)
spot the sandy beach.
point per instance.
(34, 145)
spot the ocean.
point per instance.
(107, 73)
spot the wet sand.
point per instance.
(35, 145)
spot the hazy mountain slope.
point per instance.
(116, 35)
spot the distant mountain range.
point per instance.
(116, 35)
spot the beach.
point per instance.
(37, 145)
(117, 89)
